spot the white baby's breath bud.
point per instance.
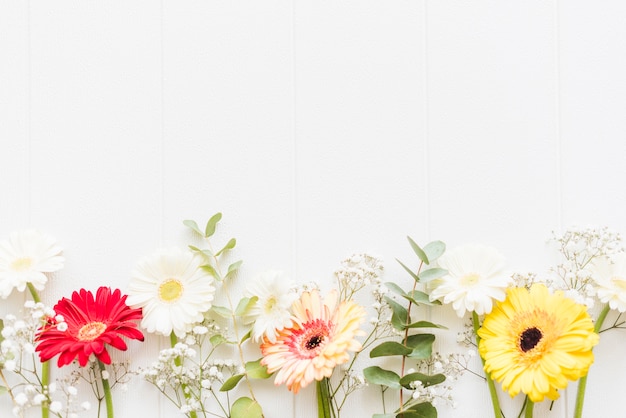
(56, 407)
(86, 406)
(62, 326)
(39, 398)
(20, 399)
(29, 304)
(72, 390)
(105, 375)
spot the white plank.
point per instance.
(360, 166)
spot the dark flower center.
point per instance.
(314, 342)
(529, 339)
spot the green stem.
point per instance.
(492, 387)
(45, 366)
(107, 390)
(178, 362)
(529, 409)
(323, 398)
(582, 383)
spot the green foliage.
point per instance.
(3, 390)
(425, 379)
(245, 304)
(209, 230)
(421, 410)
(256, 370)
(378, 376)
(231, 382)
(193, 225)
(245, 407)
(390, 348)
(413, 346)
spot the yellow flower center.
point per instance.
(22, 264)
(270, 304)
(170, 290)
(91, 331)
(619, 282)
(470, 279)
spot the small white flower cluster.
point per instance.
(185, 368)
(451, 366)
(579, 247)
(19, 334)
(61, 397)
(526, 280)
(358, 271)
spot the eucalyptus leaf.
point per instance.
(378, 376)
(231, 382)
(434, 250)
(211, 224)
(421, 410)
(211, 270)
(424, 324)
(245, 407)
(245, 304)
(233, 268)
(420, 253)
(206, 252)
(229, 246)
(193, 225)
(3, 390)
(424, 378)
(395, 288)
(217, 339)
(425, 410)
(256, 370)
(399, 314)
(421, 345)
(222, 311)
(408, 270)
(417, 297)
(246, 337)
(432, 274)
(390, 348)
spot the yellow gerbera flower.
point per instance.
(319, 339)
(535, 341)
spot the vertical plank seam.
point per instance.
(162, 156)
(426, 132)
(294, 115)
(28, 162)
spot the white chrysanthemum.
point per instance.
(25, 258)
(610, 279)
(272, 310)
(474, 279)
(172, 290)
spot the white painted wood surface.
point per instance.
(319, 128)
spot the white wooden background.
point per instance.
(319, 128)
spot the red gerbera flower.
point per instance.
(91, 323)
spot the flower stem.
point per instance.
(582, 383)
(530, 405)
(107, 390)
(492, 387)
(323, 398)
(45, 366)
(178, 362)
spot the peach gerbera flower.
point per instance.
(319, 339)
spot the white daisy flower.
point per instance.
(25, 258)
(272, 310)
(610, 278)
(172, 290)
(474, 279)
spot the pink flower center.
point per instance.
(308, 341)
(91, 331)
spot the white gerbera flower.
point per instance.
(474, 279)
(610, 278)
(25, 258)
(172, 290)
(272, 310)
